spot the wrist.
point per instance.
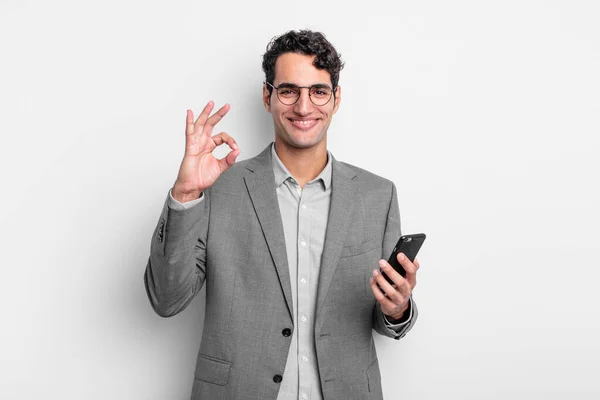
(397, 317)
(184, 197)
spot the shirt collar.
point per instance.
(282, 174)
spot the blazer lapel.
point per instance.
(260, 182)
(341, 209)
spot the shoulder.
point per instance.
(232, 180)
(236, 171)
(367, 180)
(375, 193)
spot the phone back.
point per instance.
(409, 245)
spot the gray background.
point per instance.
(485, 115)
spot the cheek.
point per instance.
(327, 116)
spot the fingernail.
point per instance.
(402, 257)
(382, 263)
(375, 272)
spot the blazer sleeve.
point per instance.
(390, 237)
(176, 268)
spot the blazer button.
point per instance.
(286, 332)
(277, 378)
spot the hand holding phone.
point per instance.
(409, 245)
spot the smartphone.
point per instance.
(409, 245)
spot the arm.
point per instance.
(176, 268)
(394, 326)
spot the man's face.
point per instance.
(301, 125)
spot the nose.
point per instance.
(303, 105)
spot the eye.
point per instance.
(288, 92)
(320, 92)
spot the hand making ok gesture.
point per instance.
(200, 168)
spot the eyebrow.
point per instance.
(293, 85)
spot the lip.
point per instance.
(303, 124)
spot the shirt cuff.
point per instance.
(175, 205)
(397, 328)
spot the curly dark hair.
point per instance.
(305, 42)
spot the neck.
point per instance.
(304, 164)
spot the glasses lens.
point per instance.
(320, 95)
(288, 95)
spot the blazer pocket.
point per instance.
(357, 249)
(212, 370)
(374, 380)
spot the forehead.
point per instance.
(299, 69)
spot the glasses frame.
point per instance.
(302, 87)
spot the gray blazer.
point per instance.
(233, 242)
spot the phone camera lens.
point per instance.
(408, 239)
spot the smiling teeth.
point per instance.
(304, 122)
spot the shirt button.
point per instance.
(302, 280)
(303, 318)
(304, 206)
(277, 378)
(303, 244)
(304, 396)
(304, 358)
(286, 332)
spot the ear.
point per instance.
(338, 98)
(266, 98)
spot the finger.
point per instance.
(215, 118)
(394, 275)
(410, 268)
(225, 138)
(404, 290)
(387, 288)
(189, 123)
(402, 285)
(380, 296)
(203, 117)
(228, 160)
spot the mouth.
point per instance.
(303, 124)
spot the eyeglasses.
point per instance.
(289, 94)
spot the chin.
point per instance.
(304, 142)
(299, 138)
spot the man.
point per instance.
(288, 245)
